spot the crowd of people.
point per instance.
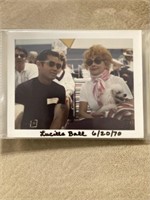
(44, 90)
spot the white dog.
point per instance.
(109, 99)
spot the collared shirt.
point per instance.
(30, 71)
(65, 79)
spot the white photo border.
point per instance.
(135, 35)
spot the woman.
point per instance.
(97, 60)
(65, 79)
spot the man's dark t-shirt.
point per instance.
(39, 101)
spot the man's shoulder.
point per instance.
(57, 86)
(27, 84)
(67, 73)
(126, 70)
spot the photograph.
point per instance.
(74, 84)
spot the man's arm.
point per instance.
(59, 113)
(19, 109)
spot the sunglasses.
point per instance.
(96, 60)
(20, 55)
(52, 64)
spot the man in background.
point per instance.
(32, 55)
(125, 72)
(23, 71)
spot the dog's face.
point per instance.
(118, 94)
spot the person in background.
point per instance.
(83, 72)
(97, 60)
(65, 79)
(32, 55)
(115, 66)
(127, 58)
(124, 72)
(41, 100)
(23, 71)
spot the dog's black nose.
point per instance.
(124, 95)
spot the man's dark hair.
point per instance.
(21, 49)
(43, 55)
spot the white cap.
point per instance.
(128, 52)
(115, 61)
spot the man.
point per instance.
(32, 55)
(65, 79)
(43, 100)
(127, 58)
(23, 71)
(124, 72)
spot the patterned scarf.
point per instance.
(99, 85)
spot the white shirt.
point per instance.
(30, 71)
(86, 93)
(67, 81)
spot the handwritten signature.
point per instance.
(70, 133)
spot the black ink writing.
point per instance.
(112, 133)
(52, 134)
(77, 133)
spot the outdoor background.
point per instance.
(51, 169)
